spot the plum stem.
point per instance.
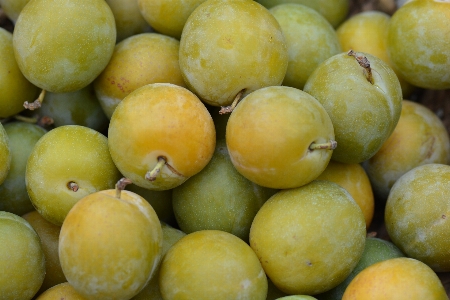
(151, 175)
(73, 186)
(36, 103)
(364, 63)
(228, 109)
(331, 145)
(120, 186)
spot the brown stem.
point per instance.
(151, 175)
(228, 109)
(120, 186)
(73, 186)
(364, 63)
(36, 103)
(331, 145)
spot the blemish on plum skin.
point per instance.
(308, 263)
(444, 217)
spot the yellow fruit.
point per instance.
(61, 291)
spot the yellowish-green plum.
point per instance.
(417, 43)
(138, 60)
(231, 46)
(62, 46)
(61, 291)
(363, 97)
(160, 135)
(212, 264)
(12, 8)
(168, 16)
(16, 89)
(13, 192)
(297, 297)
(110, 244)
(335, 11)
(310, 238)
(280, 137)
(310, 40)
(419, 138)
(67, 164)
(400, 278)
(49, 237)
(367, 32)
(417, 215)
(128, 17)
(5, 154)
(22, 259)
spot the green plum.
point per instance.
(16, 89)
(22, 259)
(5, 154)
(231, 46)
(67, 164)
(310, 40)
(218, 197)
(62, 46)
(363, 97)
(13, 192)
(75, 108)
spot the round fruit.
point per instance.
(61, 291)
(110, 244)
(5, 154)
(416, 45)
(397, 278)
(363, 98)
(22, 260)
(160, 135)
(310, 238)
(61, 47)
(229, 46)
(273, 136)
(16, 89)
(212, 264)
(67, 164)
(417, 215)
(12, 8)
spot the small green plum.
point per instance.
(5, 154)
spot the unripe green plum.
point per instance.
(335, 11)
(13, 192)
(5, 154)
(110, 245)
(417, 43)
(417, 215)
(75, 108)
(22, 259)
(218, 197)
(67, 164)
(168, 16)
(16, 89)
(160, 135)
(12, 8)
(310, 238)
(270, 135)
(62, 46)
(228, 46)
(138, 60)
(310, 40)
(128, 17)
(363, 104)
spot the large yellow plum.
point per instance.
(168, 16)
(160, 135)
(110, 244)
(363, 98)
(65, 165)
(228, 46)
(212, 264)
(310, 40)
(16, 89)
(417, 215)
(418, 45)
(310, 238)
(419, 138)
(275, 137)
(138, 60)
(61, 291)
(22, 260)
(5, 154)
(62, 46)
(399, 278)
